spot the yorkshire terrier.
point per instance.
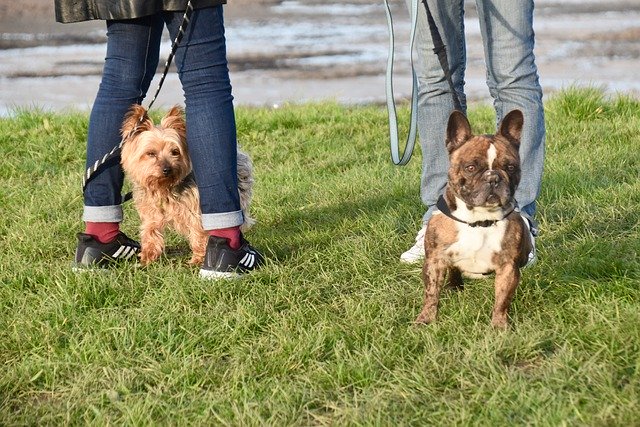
(156, 160)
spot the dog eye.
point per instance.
(470, 168)
(151, 153)
(510, 168)
(175, 152)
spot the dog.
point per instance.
(156, 160)
(477, 229)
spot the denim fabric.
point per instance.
(132, 58)
(512, 77)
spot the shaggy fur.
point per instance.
(156, 160)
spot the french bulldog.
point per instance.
(478, 229)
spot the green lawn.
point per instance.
(323, 335)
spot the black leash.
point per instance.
(115, 152)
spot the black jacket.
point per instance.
(84, 10)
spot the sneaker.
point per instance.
(220, 261)
(533, 233)
(416, 253)
(92, 253)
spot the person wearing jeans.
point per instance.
(134, 32)
(506, 28)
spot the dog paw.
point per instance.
(196, 260)
(147, 257)
(423, 319)
(500, 322)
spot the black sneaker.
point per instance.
(220, 261)
(92, 253)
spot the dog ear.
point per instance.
(174, 119)
(458, 131)
(135, 121)
(511, 127)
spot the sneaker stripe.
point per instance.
(247, 260)
(124, 252)
(132, 251)
(118, 252)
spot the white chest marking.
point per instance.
(474, 250)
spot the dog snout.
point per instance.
(492, 177)
(166, 170)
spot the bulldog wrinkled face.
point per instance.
(484, 170)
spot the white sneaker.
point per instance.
(533, 232)
(416, 253)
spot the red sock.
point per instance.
(232, 234)
(103, 232)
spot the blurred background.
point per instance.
(307, 50)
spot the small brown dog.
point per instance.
(478, 229)
(155, 159)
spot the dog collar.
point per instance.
(442, 206)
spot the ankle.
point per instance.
(231, 234)
(103, 232)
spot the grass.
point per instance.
(323, 335)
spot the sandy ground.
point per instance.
(594, 42)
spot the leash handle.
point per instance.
(391, 105)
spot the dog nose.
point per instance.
(166, 171)
(492, 177)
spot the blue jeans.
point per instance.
(512, 77)
(133, 48)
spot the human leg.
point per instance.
(130, 63)
(131, 60)
(211, 132)
(435, 102)
(512, 76)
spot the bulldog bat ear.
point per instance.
(174, 119)
(511, 126)
(135, 121)
(458, 131)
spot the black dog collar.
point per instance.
(444, 208)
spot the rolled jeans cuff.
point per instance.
(102, 213)
(215, 221)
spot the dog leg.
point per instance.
(198, 242)
(151, 239)
(433, 275)
(507, 279)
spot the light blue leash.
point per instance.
(391, 105)
(441, 52)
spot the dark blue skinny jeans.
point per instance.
(132, 59)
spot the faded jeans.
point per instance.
(512, 77)
(133, 48)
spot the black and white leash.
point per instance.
(440, 50)
(91, 171)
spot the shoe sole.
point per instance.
(411, 259)
(217, 275)
(81, 268)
